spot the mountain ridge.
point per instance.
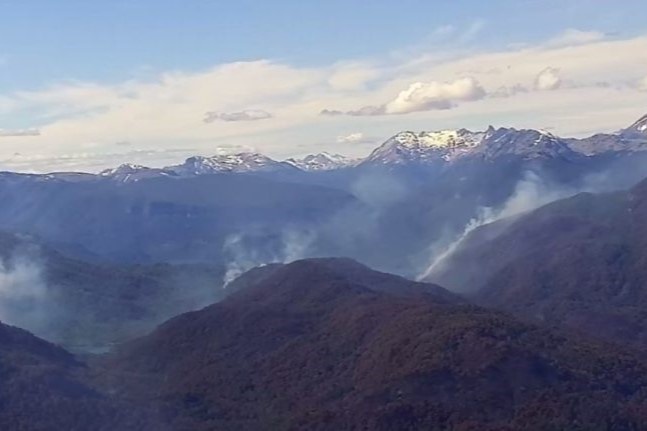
(576, 263)
(406, 147)
(314, 345)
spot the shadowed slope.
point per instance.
(46, 388)
(579, 263)
(331, 345)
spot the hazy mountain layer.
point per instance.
(578, 263)
(89, 306)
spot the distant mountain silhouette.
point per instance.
(160, 219)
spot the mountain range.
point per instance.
(234, 212)
(577, 263)
(172, 296)
(410, 192)
(404, 148)
(328, 344)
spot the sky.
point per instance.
(89, 85)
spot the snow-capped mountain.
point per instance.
(321, 162)
(241, 162)
(405, 148)
(197, 165)
(129, 172)
(423, 147)
(453, 145)
(639, 127)
(528, 144)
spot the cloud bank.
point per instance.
(642, 84)
(17, 133)
(432, 88)
(572, 36)
(246, 115)
(353, 138)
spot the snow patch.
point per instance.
(321, 162)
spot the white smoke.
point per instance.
(379, 190)
(440, 252)
(344, 234)
(530, 193)
(23, 293)
(248, 250)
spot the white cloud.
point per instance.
(548, 79)
(642, 84)
(246, 115)
(425, 96)
(305, 102)
(352, 138)
(18, 133)
(331, 112)
(364, 111)
(509, 91)
(367, 111)
(573, 36)
(421, 96)
(94, 162)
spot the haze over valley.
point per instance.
(288, 216)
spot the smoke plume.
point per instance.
(23, 293)
(530, 193)
(244, 251)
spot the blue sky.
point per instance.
(70, 69)
(44, 41)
